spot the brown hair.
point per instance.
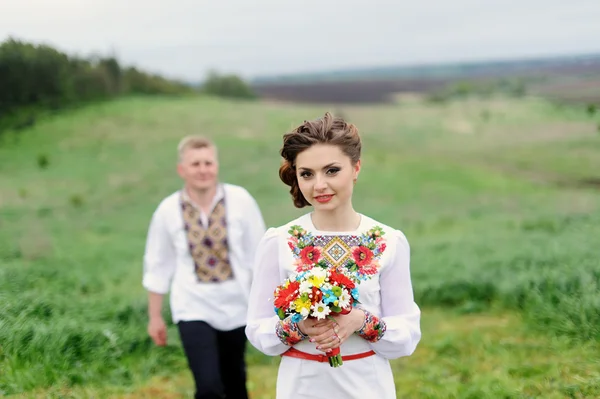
(325, 130)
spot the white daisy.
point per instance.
(319, 272)
(320, 310)
(344, 299)
(326, 286)
(305, 287)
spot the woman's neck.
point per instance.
(339, 219)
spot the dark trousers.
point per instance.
(216, 359)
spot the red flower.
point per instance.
(370, 268)
(301, 266)
(310, 255)
(371, 335)
(382, 247)
(317, 295)
(342, 280)
(285, 296)
(362, 256)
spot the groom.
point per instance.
(200, 247)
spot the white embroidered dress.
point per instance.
(387, 295)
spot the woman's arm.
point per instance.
(396, 332)
(264, 329)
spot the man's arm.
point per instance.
(157, 329)
(255, 228)
(159, 266)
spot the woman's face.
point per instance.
(326, 176)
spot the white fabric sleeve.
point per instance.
(399, 310)
(262, 320)
(254, 228)
(159, 256)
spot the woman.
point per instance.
(322, 164)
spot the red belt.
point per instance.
(292, 352)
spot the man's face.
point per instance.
(199, 168)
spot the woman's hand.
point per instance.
(338, 331)
(313, 327)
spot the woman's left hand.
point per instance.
(344, 326)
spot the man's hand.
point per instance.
(156, 326)
(157, 330)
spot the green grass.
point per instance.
(502, 232)
(488, 355)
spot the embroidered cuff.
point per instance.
(288, 332)
(373, 327)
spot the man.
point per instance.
(200, 247)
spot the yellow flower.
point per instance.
(302, 303)
(317, 276)
(316, 281)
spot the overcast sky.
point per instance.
(185, 38)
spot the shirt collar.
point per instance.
(220, 193)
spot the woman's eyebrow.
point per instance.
(329, 165)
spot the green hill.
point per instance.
(498, 198)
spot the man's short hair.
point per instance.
(194, 142)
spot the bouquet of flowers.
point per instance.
(320, 293)
(321, 289)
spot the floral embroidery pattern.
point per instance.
(356, 253)
(288, 332)
(359, 254)
(373, 328)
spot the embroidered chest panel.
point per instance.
(208, 245)
(356, 253)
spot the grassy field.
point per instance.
(497, 199)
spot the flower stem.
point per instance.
(336, 360)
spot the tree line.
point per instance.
(37, 77)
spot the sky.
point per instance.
(185, 39)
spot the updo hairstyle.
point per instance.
(325, 130)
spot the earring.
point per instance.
(355, 181)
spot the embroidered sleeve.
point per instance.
(373, 327)
(288, 332)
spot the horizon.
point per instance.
(357, 68)
(441, 63)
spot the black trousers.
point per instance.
(216, 359)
